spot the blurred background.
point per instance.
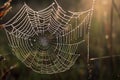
(104, 44)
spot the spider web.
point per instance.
(46, 41)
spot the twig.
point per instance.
(105, 57)
(9, 70)
(5, 8)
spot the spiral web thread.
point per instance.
(46, 41)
